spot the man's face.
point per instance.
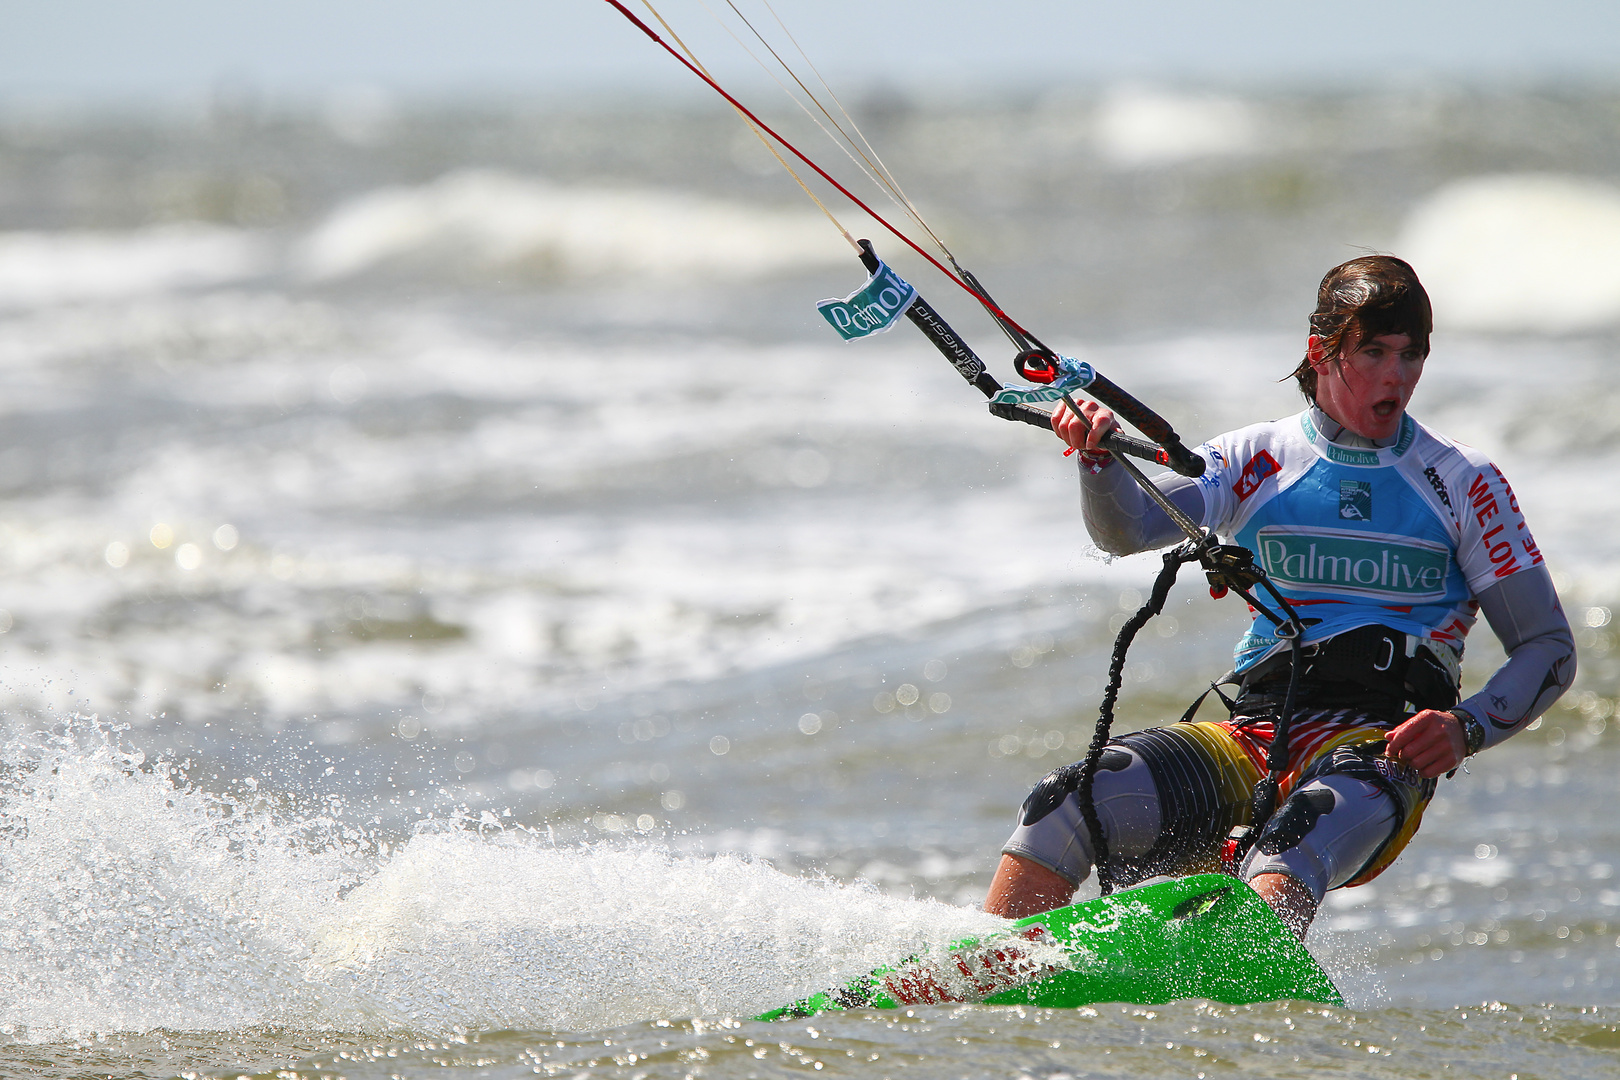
(1367, 392)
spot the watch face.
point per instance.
(1473, 733)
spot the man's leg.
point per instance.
(1322, 836)
(1022, 888)
(1049, 852)
(1294, 903)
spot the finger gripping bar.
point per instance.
(1149, 423)
(1114, 441)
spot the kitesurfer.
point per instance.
(1388, 539)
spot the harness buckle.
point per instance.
(1389, 654)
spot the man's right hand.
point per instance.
(1086, 431)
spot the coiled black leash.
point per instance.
(1229, 568)
(1087, 772)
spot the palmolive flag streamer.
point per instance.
(872, 308)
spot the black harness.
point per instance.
(1368, 667)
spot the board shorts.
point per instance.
(1167, 797)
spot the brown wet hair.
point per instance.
(1361, 299)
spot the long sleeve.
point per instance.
(1524, 612)
(1122, 520)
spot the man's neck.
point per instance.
(1335, 432)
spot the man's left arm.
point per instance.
(1524, 612)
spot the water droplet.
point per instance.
(161, 535)
(409, 727)
(719, 746)
(117, 554)
(809, 723)
(906, 694)
(226, 537)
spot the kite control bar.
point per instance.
(1032, 364)
(1114, 440)
(1037, 366)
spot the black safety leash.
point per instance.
(1087, 775)
(1229, 568)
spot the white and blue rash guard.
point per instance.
(1419, 535)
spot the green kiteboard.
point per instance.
(1207, 936)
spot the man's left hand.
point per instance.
(1432, 742)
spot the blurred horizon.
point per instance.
(91, 54)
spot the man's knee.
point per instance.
(1052, 831)
(1325, 833)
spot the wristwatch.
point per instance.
(1473, 731)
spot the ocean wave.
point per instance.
(513, 539)
(1139, 126)
(488, 222)
(1527, 252)
(39, 268)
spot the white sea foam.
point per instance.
(1537, 253)
(497, 558)
(53, 268)
(1143, 126)
(135, 902)
(487, 221)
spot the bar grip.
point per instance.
(1114, 441)
(1149, 423)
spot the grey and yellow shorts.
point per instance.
(1167, 797)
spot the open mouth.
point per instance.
(1386, 408)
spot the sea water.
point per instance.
(465, 614)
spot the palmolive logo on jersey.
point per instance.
(1398, 568)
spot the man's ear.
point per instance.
(1313, 350)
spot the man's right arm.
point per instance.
(1121, 518)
